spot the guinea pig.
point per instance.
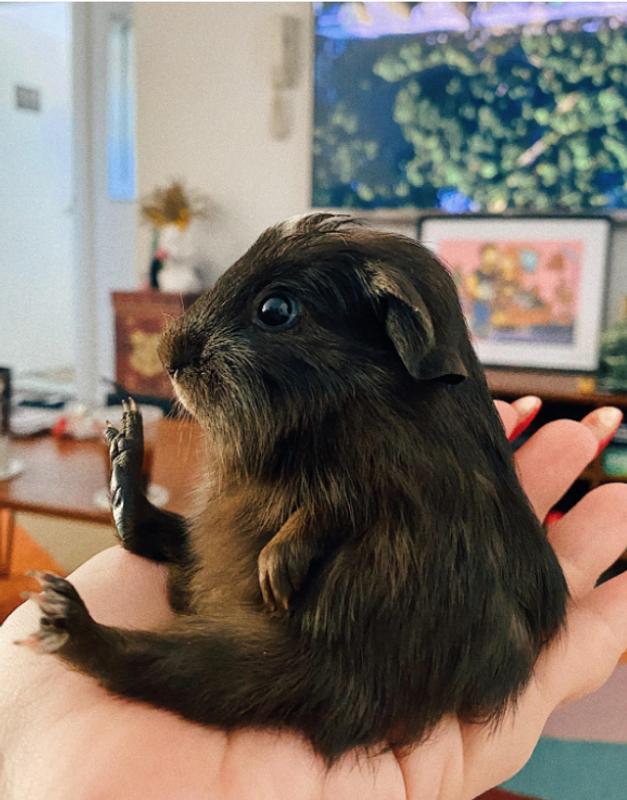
(363, 561)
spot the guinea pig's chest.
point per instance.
(225, 541)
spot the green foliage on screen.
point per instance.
(534, 118)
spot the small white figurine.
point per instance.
(179, 261)
(183, 259)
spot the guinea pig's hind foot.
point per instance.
(64, 614)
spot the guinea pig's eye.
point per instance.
(277, 312)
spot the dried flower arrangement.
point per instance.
(173, 205)
(167, 208)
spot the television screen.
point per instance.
(471, 106)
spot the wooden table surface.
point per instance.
(62, 476)
(551, 386)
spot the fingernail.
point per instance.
(606, 419)
(525, 405)
(609, 417)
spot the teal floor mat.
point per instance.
(563, 770)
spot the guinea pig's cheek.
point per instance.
(183, 398)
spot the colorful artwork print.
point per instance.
(532, 287)
(517, 291)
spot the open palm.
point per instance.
(62, 736)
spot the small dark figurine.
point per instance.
(156, 265)
(364, 561)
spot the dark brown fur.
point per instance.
(359, 470)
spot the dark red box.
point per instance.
(140, 317)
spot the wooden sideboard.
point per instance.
(552, 387)
(140, 318)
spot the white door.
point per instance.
(36, 227)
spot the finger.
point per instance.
(518, 415)
(592, 536)
(527, 409)
(580, 661)
(508, 415)
(609, 601)
(552, 459)
(557, 454)
(603, 423)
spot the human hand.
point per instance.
(62, 736)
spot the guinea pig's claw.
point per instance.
(46, 640)
(266, 593)
(110, 432)
(274, 579)
(129, 405)
(63, 613)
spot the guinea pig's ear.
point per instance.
(425, 353)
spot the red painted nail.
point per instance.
(525, 422)
(614, 421)
(605, 442)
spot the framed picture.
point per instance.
(532, 288)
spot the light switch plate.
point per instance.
(27, 98)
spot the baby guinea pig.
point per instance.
(363, 560)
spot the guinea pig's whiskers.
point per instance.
(177, 410)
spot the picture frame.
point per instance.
(531, 287)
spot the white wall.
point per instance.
(203, 83)
(36, 270)
(56, 309)
(203, 107)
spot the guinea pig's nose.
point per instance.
(183, 352)
(178, 365)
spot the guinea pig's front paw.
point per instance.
(126, 453)
(283, 565)
(126, 446)
(64, 615)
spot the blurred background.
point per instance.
(128, 98)
(144, 146)
(264, 110)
